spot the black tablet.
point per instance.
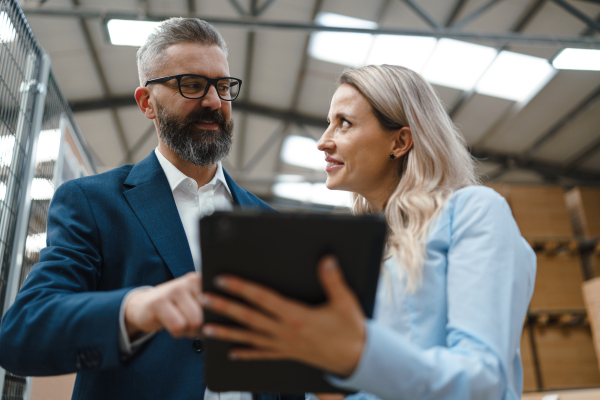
(281, 251)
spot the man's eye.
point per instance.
(224, 88)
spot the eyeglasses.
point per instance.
(196, 86)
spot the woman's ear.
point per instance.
(142, 97)
(402, 142)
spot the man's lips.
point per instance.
(333, 164)
(207, 125)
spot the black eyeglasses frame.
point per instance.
(211, 82)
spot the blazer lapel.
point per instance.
(240, 195)
(151, 200)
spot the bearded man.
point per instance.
(116, 294)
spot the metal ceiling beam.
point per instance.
(460, 4)
(578, 14)
(248, 66)
(191, 6)
(553, 41)
(238, 7)
(564, 121)
(423, 14)
(299, 84)
(548, 170)
(103, 81)
(584, 156)
(507, 160)
(474, 15)
(263, 8)
(521, 23)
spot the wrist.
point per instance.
(132, 319)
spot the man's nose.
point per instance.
(211, 99)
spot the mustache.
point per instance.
(206, 115)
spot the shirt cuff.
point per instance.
(126, 347)
(365, 374)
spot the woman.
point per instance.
(457, 279)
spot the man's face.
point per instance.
(197, 130)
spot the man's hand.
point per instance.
(330, 396)
(173, 305)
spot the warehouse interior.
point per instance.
(501, 68)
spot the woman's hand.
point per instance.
(330, 396)
(329, 336)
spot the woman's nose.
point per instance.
(326, 142)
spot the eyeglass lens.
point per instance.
(194, 87)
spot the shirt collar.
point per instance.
(175, 176)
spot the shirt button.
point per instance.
(205, 204)
(197, 345)
(190, 184)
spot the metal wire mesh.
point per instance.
(19, 67)
(55, 108)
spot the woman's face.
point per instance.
(357, 148)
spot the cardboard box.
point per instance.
(567, 357)
(557, 283)
(540, 212)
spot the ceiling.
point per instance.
(554, 138)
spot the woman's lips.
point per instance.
(333, 164)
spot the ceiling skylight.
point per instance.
(7, 30)
(7, 144)
(41, 189)
(130, 33)
(458, 64)
(515, 76)
(35, 242)
(582, 59)
(2, 191)
(341, 47)
(48, 145)
(408, 51)
(302, 152)
(316, 193)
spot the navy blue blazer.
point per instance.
(107, 233)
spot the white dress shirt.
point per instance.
(192, 204)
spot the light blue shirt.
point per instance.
(458, 336)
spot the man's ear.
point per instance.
(403, 142)
(142, 97)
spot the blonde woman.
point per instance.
(457, 279)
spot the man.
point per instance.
(115, 296)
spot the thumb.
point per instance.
(332, 279)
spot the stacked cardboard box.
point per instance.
(561, 341)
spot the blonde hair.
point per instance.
(438, 163)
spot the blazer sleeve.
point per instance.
(490, 277)
(59, 322)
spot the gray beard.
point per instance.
(201, 147)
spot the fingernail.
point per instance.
(330, 265)
(220, 282)
(233, 356)
(205, 300)
(208, 331)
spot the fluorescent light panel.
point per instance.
(340, 47)
(48, 145)
(580, 59)
(458, 64)
(7, 144)
(35, 242)
(515, 76)
(407, 51)
(130, 33)
(7, 30)
(41, 189)
(302, 152)
(316, 193)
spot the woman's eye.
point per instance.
(345, 124)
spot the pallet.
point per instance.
(591, 294)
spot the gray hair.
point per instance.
(151, 56)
